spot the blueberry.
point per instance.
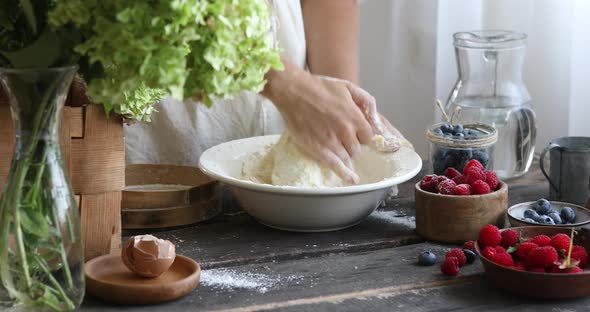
(530, 220)
(552, 211)
(546, 220)
(470, 255)
(438, 166)
(568, 215)
(437, 131)
(459, 135)
(457, 129)
(531, 214)
(426, 258)
(482, 156)
(555, 216)
(446, 128)
(451, 160)
(543, 206)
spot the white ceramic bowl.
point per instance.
(302, 209)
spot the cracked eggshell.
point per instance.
(147, 255)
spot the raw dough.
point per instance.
(285, 164)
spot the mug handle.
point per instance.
(541, 161)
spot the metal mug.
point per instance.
(569, 161)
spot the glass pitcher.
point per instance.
(490, 90)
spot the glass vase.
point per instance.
(41, 250)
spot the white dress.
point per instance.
(180, 132)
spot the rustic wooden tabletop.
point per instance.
(369, 267)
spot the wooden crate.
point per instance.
(93, 150)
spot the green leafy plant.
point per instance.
(133, 53)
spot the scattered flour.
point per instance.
(393, 217)
(227, 279)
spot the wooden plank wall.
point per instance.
(93, 151)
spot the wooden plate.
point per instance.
(107, 278)
(159, 196)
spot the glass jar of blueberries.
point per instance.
(455, 145)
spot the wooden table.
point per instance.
(369, 267)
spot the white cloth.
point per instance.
(180, 132)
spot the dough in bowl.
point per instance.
(285, 164)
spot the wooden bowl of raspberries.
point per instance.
(536, 261)
(454, 207)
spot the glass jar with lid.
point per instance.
(490, 90)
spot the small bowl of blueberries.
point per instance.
(454, 144)
(550, 213)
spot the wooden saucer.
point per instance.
(107, 278)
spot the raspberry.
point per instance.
(491, 179)
(537, 270)
(556, 269)
(579, 253)
(480, 187)
(450, 266)
(519, 266)
(509, 238)
(460, 179)
(542, 257)
(469, 245)
(524, 249)
(560, 241)
(504, 259)
(473, 174)
(457, 253)
(451, 172)
(463, 189)
(473, 163)
(447, 187)
(429, 183)
(574, 270)
(500, 249)
(541, 240)
(488, 252)
(489, 235)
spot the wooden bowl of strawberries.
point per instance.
(454, 207)
(536, 261)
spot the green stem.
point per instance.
(21, 174)
(62, 250)
(70, 305)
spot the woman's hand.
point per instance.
(323, 116)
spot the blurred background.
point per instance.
(407, 58)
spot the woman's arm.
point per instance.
(331, 34)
